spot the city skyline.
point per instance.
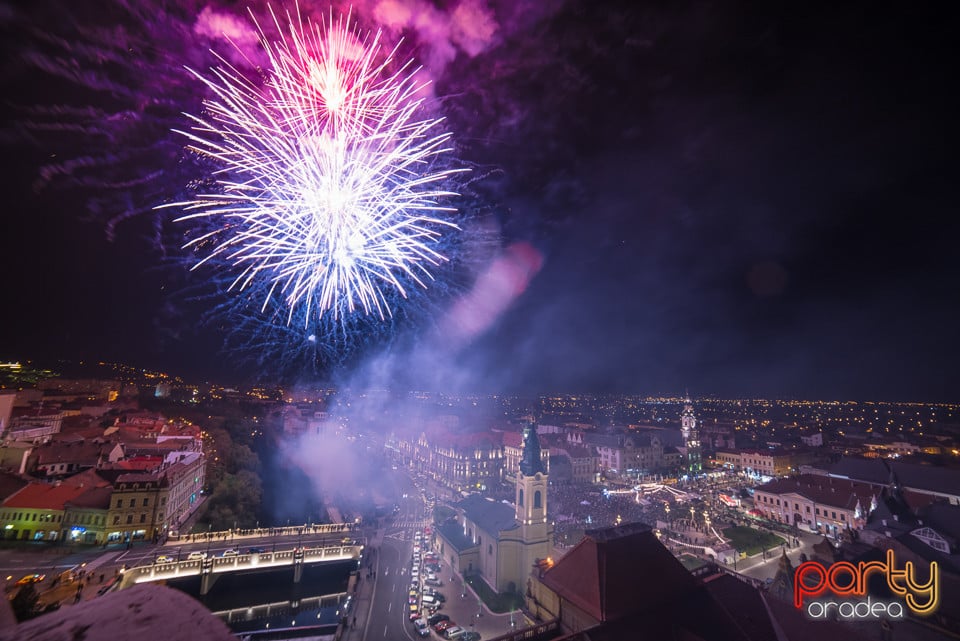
(728, 200)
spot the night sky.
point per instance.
(729, 198)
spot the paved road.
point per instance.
(382, 607)
(389, 573)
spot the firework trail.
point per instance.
(96, 89)
(328, 187)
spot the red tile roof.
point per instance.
(53, 496)
(602, 574)
(94, 498)
(625, 579)
(824, 490)
(79, 451)
(141, 464)
(11, 483)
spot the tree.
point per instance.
(26, 604)
(242, 458)
(236, 500)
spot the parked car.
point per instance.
(434, 582)
(422, 628)
(437, 618)
(470, 636)
(454, 632)
(441, 626)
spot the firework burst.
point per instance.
(328, 178)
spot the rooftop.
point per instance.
(600, 574)
(490, 516)
(453, 533)
(53, 496)
(910, 475)
(824, 490)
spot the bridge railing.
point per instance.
(226, 563)
(264, 610)
(175, 537)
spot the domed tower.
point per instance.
(691, 438)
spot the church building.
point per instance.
(502, 543)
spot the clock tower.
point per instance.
(691, 439)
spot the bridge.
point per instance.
(266, 610)
(210, 569)
(177, 538)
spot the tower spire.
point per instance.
(531, 462)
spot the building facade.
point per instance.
(631, 453)
(153, 504)
(41, 511)
(760, 463)
(816, 503)
(584, 463)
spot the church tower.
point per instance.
(691, 439)
(531, 500)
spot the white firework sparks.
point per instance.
(328, 188)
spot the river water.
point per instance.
(268, 600)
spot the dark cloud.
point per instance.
(727, 197)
